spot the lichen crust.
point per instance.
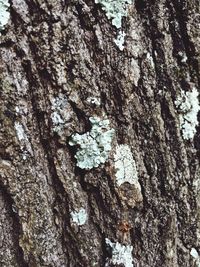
(95, 145)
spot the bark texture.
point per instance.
(55, 54)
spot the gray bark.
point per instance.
(65, 50)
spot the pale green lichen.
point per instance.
(115, 10)
(195, 256)
(121, 254)
(79, 217)
(4, 13)
(94, 146)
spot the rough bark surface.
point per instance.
(64, 50)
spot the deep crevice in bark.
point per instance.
(16, 226)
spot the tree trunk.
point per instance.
(99, 137)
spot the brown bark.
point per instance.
(65, 49)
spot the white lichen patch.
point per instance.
(133, 72)
(20, 131)
(150, 60)
(115, 10)
(4, 13)
(94, 146)
(121, 254)
(57, 120)
(94, 100)
(60, 114)
(195, 256)
(125, 165)
(119, 41)
(188, 105)
(79, 217)
(25, 145)
(183, 56)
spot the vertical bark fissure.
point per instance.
(72, 54)
(16, 226)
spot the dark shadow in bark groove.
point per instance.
(16, 227)
(189, 46)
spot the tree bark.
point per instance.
(55, 57)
